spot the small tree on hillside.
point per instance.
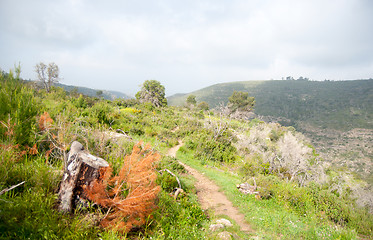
(99, 93)
(154, 92)
(47, 75)
(191, 100)
(241, 101)
(203, 106)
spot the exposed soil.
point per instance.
(211, 198)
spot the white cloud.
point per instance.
(188, 45)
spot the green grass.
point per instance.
(270, 218)
(29, 211)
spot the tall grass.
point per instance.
(28, 211)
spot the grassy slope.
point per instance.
(337, 105)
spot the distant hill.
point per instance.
(109, 95)
(341, 105)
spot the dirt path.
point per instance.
(210, 197)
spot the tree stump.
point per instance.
(81, 169)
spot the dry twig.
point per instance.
(10, 188)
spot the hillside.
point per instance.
(337, 116)
(341, 105)
(109, 95)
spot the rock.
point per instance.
(246, 188)
(225, 235)
(215, 227)
(225, 222)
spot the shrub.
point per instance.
(18, 110)
(102, 112)
(130, 110)
(183, 219)
(216, 150)
(253, 166)
(167, 181)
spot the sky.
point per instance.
(187, 45)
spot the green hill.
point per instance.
(341, 105)
(109, 95)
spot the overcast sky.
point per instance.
(187, 45)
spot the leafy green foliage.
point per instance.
(18, 110)
(216, 150)
(241, 101)
(191, 100)
(203, 106)
(154, 92)
(179, 220)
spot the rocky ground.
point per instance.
(352, 149)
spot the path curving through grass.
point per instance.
(210, 196)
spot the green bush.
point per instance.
(79, 102)
(183, 219)
(216, 150)
(253, 166)
(317, 201)
(18, 110)
(102, 112)
(166, 180)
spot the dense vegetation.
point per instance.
(299, 196)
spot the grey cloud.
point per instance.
(187, 45)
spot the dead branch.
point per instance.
(177, 192)
(255, 187)
(10, 188)
(177, 179)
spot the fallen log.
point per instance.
(81, 169)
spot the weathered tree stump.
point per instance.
(81, 169)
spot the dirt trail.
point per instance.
(210, 197)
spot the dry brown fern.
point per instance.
(130, 196)
(45, 121)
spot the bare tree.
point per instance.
(289, 156)
(218, 126)
(47, 75)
